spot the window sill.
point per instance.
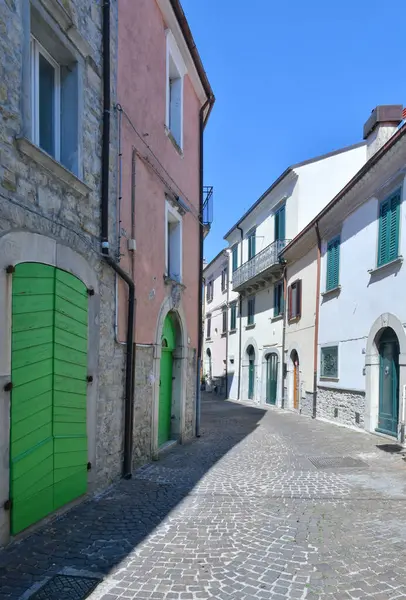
(333, 292)
(326, 379)
(395, 261)
(168, 280)
(174, 142)
(54, 167)
(276, 318)
(294, 319)
(224, 334)
(232, 331)
(250, 326)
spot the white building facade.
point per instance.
(255, 346)
(215, 323)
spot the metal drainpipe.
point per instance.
(209, 102)
(316, 321)
(227, 330)
(130, 358)
(285, 287)
(240, 319)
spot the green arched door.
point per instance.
(48, 438)
(271, 378)
(251, 372)
(165, 382)
(388, 383)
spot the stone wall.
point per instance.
(143, 404)
(36, 199)
(190, 402)
(306, 404)
(341, 406)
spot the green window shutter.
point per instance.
(233, 323)
(388, 241)
(394, 227)
(251, 245)
(333, 264)
(235, 258)
(251, 310)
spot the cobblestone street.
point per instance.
(253, 509)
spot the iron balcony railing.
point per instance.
(262, 261)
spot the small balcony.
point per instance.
(207, 208)
(261, 269)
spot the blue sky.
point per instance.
(292, 80)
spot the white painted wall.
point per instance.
(320, 181)
(346, 319)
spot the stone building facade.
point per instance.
(50, 177)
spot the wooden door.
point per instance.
(272, 378)
(165, 383)
(388, 384)
(48, 439)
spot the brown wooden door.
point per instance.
(296, 386)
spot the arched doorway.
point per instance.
(271, 378)
(251, 371)
(296, 386)
(388, 411)
(168, 344)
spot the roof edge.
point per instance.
(215, 258)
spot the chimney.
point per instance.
(381, 125)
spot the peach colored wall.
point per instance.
(141, 91)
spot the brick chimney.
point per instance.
(381, 125)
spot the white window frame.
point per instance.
(172, 51)
(36, 49)
(175, 216)
(324, 347)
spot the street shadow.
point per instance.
(98, 535)
(390, 448)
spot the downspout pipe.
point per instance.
(316, 321)
(130, 357)
(202, 121)
(240, 320)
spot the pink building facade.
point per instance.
(164, 99)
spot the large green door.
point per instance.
(48, 443)
(271, 378)
(251, 372)
(388, 383)
(165, 383)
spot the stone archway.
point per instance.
(274, 355)
(180, 357)
(372, 370)
(249, 366)
(293, 378)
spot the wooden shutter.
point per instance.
(333, 264)
(290, 302)
(282, 234)
(384, 218)
(299, 298)
(275, 301)
(393, 233)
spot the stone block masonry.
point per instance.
(341, 406)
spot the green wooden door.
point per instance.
(165, 382)
(388, 384)
(271, 378)
(48, 443)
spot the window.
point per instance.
(233, 316)
(46, 102)
(251, 310)
(173, 243)
(280, 233)
(251, 244)
(224, 315)
(54, 96)
(389, 216)
(234, 254)
(295, 300)
(208, 326)
(224, 281)
(333, 264)
(329, 362)
(209, 290)
(174, 91)
(278, 303)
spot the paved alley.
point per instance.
(266, 504)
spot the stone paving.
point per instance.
(240, 514)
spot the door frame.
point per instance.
(22, 247)
(395, 383)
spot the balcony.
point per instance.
(262, 268)
(207, 208)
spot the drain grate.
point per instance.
(66, 587)
(336, 462)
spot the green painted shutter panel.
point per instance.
(393, 233)
(384, 219)
(333, 264)
(282, 226)
(235, 258)
(48, 450)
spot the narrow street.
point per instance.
(266, 504)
